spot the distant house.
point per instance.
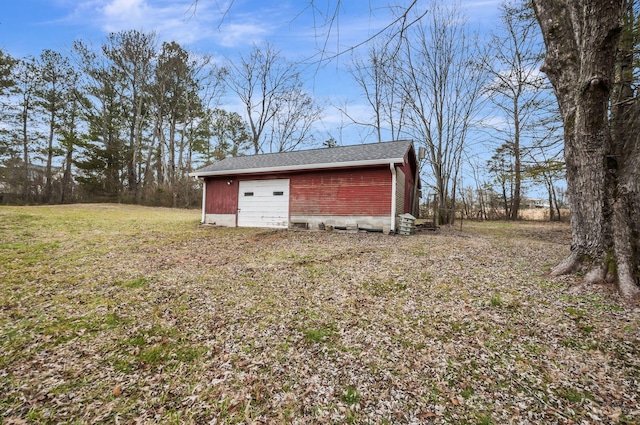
(535, 202)
(13, 180)
(364, 186)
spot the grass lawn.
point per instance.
(117, 314)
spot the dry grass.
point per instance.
(121, 314)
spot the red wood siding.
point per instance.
(364, 191)
(222, 198)
(408, 186)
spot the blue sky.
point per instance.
(29, 26)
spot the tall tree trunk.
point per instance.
(551, 198)
(582, 89)
(172, 159)
(48, 172)
(505, 200)
(625, 223)
(624, 161)
(602, 183)
(483, 208)
(66, 178)
(148, 168)
(135, 142)
(517, 169)
(25, 154)
(555, 202)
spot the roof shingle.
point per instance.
(340, 156)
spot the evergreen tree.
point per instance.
(56, 77)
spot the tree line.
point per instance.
(127, 121)
(484, 114)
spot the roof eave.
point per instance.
(348, 164)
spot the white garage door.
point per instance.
(263, 203)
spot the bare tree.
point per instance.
(520, 94)
(377, 77)
(543, 161)
(293, 126)
(442, 83)
(592, 70)
(270, 89)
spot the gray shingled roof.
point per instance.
(340, 156)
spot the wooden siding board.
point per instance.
(365, 191)
(222, 198)
(409, 187)
(344, 192)
(400, 191)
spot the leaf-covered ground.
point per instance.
(122, 314)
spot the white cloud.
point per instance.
(233, 35)
(184, 21)
(125, 10)
(528, 79)
(170, 19)
(118, 15)
(496, 122)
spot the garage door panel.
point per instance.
(263, 203)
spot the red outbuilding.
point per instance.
(360, 186)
